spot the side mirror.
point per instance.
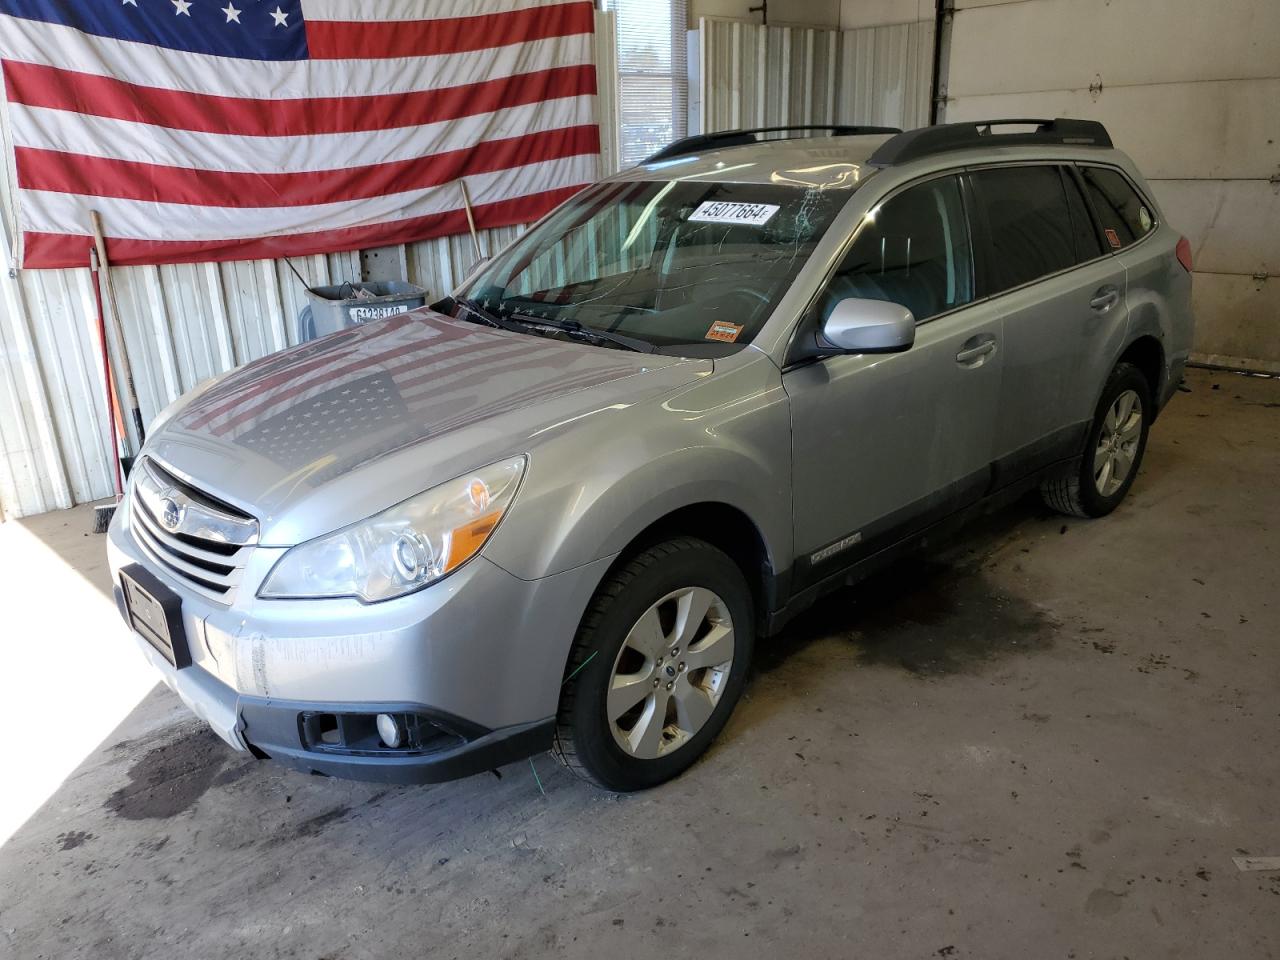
(869, 326)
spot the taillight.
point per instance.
(1183, 252)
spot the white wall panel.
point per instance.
(873, 13)
(887, 72)
(1043, 45)
(806, 13)
(183, 324)
(1204, 129)
(1191, 90)
(768, 76)
(1233, 225)
(1235, 320)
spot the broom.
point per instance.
(100, 244)
(102, 513)
(102, 268)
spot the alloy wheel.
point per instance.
(670, 672)
(1118, 443)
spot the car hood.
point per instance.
(335, 430)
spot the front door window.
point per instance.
(913, 250)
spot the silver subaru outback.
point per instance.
(556, 509)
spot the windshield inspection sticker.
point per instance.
(722, 330)
(722, 211)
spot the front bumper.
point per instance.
(481, 653)
(274, 730)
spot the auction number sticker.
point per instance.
(724, 211)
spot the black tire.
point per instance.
(584, 740)
(1073, 490)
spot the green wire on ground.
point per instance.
(536, 779)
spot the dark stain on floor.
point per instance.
(171, 776)
(311, 827)
(73, 838)
(928, 619)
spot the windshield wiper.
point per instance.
(573, 328)
(487, 317)
(519, 323)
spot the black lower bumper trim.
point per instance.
(270, 728)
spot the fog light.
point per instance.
(390, 731)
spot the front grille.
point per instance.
(201, 541)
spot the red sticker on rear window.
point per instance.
(1113, 238)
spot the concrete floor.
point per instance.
(1050, 741)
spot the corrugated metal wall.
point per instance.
(755, 76)
(182, 325)
(1191, 90)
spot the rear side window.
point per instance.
(1028, 221)
(914, 250)
(1125, 217)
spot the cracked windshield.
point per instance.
(655, 265)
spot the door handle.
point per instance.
(970, 354)
(1105, 298)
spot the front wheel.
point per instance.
(658, 664)
(1113, 451)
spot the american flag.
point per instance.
(234, 129)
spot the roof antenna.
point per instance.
(764, 12)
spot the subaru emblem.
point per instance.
(170, 513)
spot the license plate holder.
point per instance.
(155, 614)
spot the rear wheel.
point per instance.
(658, 664)
(1113, 451)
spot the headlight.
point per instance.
(404, 548)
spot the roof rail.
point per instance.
(736, 138)
(946, 137)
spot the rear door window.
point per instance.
(914, 250)
(1028, 223)
(1124, 215)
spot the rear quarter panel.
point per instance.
(1159, 291)
(1159, 296)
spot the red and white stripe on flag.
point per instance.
(208, 132)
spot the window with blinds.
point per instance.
(653, 86)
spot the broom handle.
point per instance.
(95, 265)
(97, 329)
(471, 219)
(104, 265)
(115, 402)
